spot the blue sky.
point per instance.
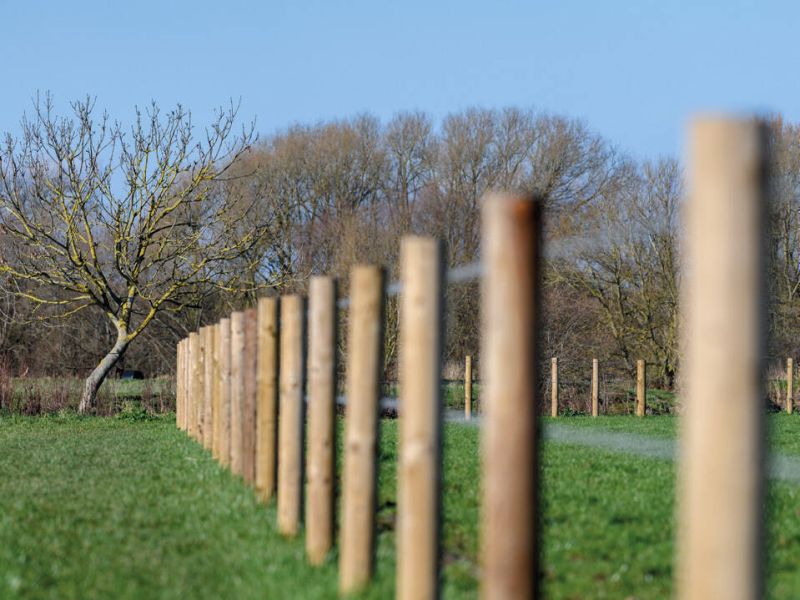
(634, 71)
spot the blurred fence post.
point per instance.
(237, 391)
(420, 422)
(208, 385)
(321, 418)
(250, 392)
(641, 387)
(267, 412)
(554, 387)
(290, 426)
(595, 387)
(510, 301)
(194, 382)
(719, 550)
(179, 386)
(216, 394)
(468, 388)
(789, 385)
(225, 392)
(364, 368)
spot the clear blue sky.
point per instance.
(633, 70)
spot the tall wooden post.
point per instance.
(194, 382)
(321, 418)
(789, 385)
(641, 387)
(179, 385)
(225, 392)
(267, 381)
(237, 391)
(364, 368)
(216, 394)
(250, 393)
(208, 385)
(201, 385)
(721, 473)
(468, 388)
(291, 414)
(510, 303)
(595, 387)
(419, 468)
(554, 387)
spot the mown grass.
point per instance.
(131, 508)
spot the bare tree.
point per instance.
(121, 220)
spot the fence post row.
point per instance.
(510, 302)
(721, 475)
(364, 369)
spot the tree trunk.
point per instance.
(96, 378)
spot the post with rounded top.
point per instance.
(468, 388)
(267, 382)
(364, 369)
(595, 387)
(225, 392)
(554, 387)
(237, 391)
(510, 303)
(720, 509)
(641, 388)
(789, 385)
(321, 418)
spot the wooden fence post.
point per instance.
(216, 395)
(321, 418)
(290, 415)
(225, 392)
(510, 303)
(201, 385)
(364, 368)
(641, 388)
(419, 464)
(595, 387)
(267, 382)
(208, 385)
(179, 385)
(789, 385)
(237, 391)
(194, 382)
(250, 396)
(719, 548)
(468, 388)
(554, 387)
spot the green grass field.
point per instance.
(131, 508)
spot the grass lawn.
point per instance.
(122, 508)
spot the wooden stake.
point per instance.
(225, 392)
(789, 385)
(179, 385)
(267, 412)
(364, 369)
(208, 385)
(554, 387)
(419, 468)
(216, 392)
(250, 392)
(194, 382)
(595, 387)
(719, 548)
(468, 388)
(510, 303)
(321, 418)
(201, 385)
(641, 388)
(237, 391)
(290, 415)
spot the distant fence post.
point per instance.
(250, 393)
(179, 385)
(595, 387)
(419, 463)
(208, 385)
(719, 548)
(554, 387)
(641, 388)
(194, 382)
(510, 303)
(216, 394)
(290, 427)
(201, 385)
(468, 388)
(321, 418)
(789, 385)
(225, 392)
(267, 382)
(364, 367)
(237, 391)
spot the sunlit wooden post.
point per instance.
(641, 388)
(194, 382)
(208, 385)
(468, 388)
(554, 387)
(321, 418)
(267, 412)
(419, 464)
(364, 367)
(201, 385)
(179, 385)
(216, 394)
(719, 548)
(250, 397)
(291, 414)
(225, 392)
(789, 385)
(595, 387)
(237, 391)
(510, 305)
